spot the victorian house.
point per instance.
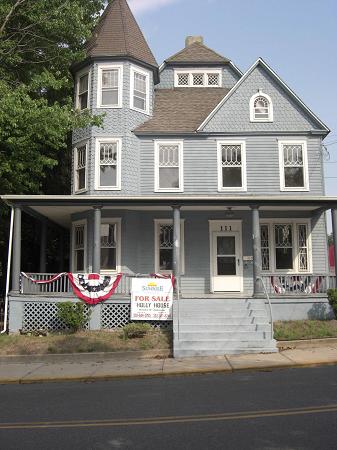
(200, 170)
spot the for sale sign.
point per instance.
(151, 299)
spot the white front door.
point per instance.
(226, 261)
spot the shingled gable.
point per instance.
(261, 62)
(117, 34)
(196, 53)
(181, 110)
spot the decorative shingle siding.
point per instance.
(229, 77)
(262, 154)
(234, 114)
(119, 123)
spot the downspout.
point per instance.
(9, 262)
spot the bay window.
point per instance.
(79, 246)
(80, 167)
(139, 96)
(108, 164)
(110, 245)
(82, 100)
(164, 245)
(109, 86)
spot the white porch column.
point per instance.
(176, 246)
(257, 257)
(16, 264)
(43, 247)
(96, 259)
(334, 234)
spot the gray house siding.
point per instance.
(262, 154)
(233, 116)
(229, 77)
(138, 243)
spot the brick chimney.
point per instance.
(193, 39)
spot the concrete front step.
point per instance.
(223, 345)
(235, 320)
(230, 313)
(222, 335)
(211, 327)
(182, 353)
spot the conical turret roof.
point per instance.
(117, 34)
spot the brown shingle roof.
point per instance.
(118, 34)
(197, 53)
(181, 109)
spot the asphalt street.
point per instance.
(282, 409)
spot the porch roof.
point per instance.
(59, 208)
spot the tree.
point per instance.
(39, 40)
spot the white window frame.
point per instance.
(133, 70)
(283, 188)
(202, 71)
(79, 75)
(157, 187)
(73, 250)
(99, 141)
(272, 253)
(100, 69)
(157, 224)
(243, 188)
(118, 222)
(75, 181)
(270, 117)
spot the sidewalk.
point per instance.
(120, 366)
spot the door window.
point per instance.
(226, 255)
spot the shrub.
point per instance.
(332, 296)
(74, 315)
(136, 330)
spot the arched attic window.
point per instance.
(261, 108)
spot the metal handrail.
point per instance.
(270, 309)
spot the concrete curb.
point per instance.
(85, 357)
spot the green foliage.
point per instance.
(136, 330)
(304, 329)
(332, 296)
(74, 315)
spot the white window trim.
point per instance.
(283, 188)
(157, 223)
(190, 79)
(97, 164)
(102, 67)
(118, 222)
(73, 260)
(243, 188)
(133, 70)
(156, 166)
(272, 256)
(80, 74)
(252, 110)
(80, 144)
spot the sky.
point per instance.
(297, 38)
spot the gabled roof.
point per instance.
(261, 62)
(197, 53)
(117, 34)
(181, 110)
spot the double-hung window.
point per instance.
(82, 100)
(169, 166)
(293, 166)
(232, 166)
(285, 246)
(109, 86)
(164, 245)
(139, 97)
(80, 166)
(79, 246)
(108, 164)
(110, 244)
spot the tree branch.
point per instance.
(10, 13)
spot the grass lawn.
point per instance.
(305, 329)
(82, 342)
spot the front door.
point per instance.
(226, 262)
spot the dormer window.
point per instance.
(140, 92)
(82, 100)
(109, 86)
(261, 108)
(197, 78)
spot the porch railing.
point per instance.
(298, 284)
